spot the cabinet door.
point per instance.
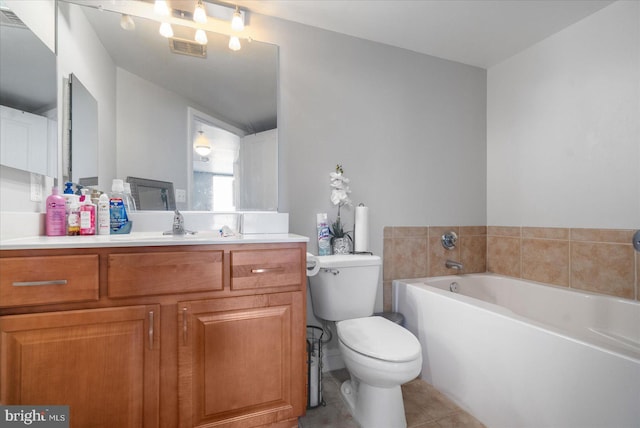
(102, 363)
(241, 361)
(23, 140)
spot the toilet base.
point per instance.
(374, 407)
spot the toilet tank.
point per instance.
(345, 287)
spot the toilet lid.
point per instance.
(379, 338)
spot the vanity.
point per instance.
(134, 331)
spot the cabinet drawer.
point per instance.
(253, 269)
(142, 274)
(46, 280)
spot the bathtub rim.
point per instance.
(628, 352)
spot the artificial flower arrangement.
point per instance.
(339, 196)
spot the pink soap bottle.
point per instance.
(56, 222)
(87, 216)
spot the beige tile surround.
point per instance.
(595, 260)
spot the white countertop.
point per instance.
(143, 239)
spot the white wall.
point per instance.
(563, 127)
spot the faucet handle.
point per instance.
(178, 223)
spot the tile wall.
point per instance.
(595, 260)
(415, 252)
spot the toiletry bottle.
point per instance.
(87, 216)
(95, 196)
(129, 202)
(68, 195)
(104, 218)
(55, 224)
(117, 209)
(73, 219)
(324, 237)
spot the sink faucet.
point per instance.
(451, 264)
(178, 225)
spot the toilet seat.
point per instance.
(379, 338)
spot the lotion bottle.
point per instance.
(104, 218)
(55, 224)
(73, 219)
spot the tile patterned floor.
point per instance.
(424, 407)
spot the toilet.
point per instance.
(379, 354)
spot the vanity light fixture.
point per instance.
(166, 30)
(161, 8)
(234, 43)
(199, 14)
(202, 145)
(201, 36)
(127, 23)
(237, 22)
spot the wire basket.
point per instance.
(314, 366)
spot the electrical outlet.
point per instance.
(181, 195)
(36, 187)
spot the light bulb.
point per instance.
(201, 36)
(166, 30)
(161, 8)
(127, 23)
(202, 145)
(234, 43)
(237, 23)
(199, 14)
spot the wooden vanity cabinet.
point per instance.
(102, 363)
(230, 318)
(239, 361)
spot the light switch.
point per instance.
(181, 195)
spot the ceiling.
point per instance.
(476, 32)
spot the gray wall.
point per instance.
(409, 130)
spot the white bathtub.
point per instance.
(518, 354)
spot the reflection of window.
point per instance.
(222, 197)
(214, 191)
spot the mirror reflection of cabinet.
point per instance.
(28, 93)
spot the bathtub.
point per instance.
(515, 353)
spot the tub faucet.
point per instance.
(451, 264)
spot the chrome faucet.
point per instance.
(451, 264)
(178, 225)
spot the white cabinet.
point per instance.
(24, 140)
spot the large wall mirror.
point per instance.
(169, 92)
(28, 95)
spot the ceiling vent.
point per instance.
(10, 19)
(187, 47)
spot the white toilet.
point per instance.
(379, 354)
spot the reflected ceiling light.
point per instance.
(160, 7)
(126, 22)
(202, 145)
(199, 14)
(237, 22)
(234, 43)
(166, 30)
(201, 36)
